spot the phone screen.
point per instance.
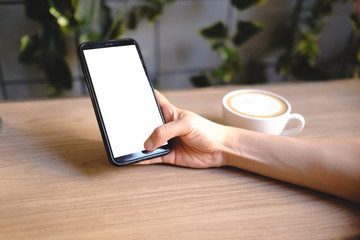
(125, 100)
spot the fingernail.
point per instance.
(148, 144)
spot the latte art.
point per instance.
(260, 111)
(257, 104)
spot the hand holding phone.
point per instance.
(123, 99)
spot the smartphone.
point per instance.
(123, 99)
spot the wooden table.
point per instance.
(56, 183)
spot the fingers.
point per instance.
(150, 161)
(165, 132)
(161, 98)
(168, 110)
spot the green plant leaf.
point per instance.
(216, 31)
(94, 19)
(322, 8)
(58, 74)
(244, 4)
(48, 43)
(223, 73)
(38, 10)
(304, 71)
(246, 30)
(149, 10)
(152, 9)
(355, 22)
(308, 49)
(63, 11)
(284, 64)
(90, 20)
(254, 72)
(47, 49)
(30, 44)
(316, 15)
(231, 57)
(52, 41)
(116, 29)
(133, 19)
(201, 80)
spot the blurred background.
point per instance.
(185, 43)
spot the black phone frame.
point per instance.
(133, 157)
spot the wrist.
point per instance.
(244, 149)
(232, 146)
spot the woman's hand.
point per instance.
(327, 165)
(197, 141)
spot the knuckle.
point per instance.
(159, 132)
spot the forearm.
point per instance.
(330, 166)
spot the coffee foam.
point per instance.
(256, 104)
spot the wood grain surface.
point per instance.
(56, 183)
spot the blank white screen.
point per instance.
(124, 95)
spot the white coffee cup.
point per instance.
(260, 111)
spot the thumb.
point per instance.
(165, 132)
